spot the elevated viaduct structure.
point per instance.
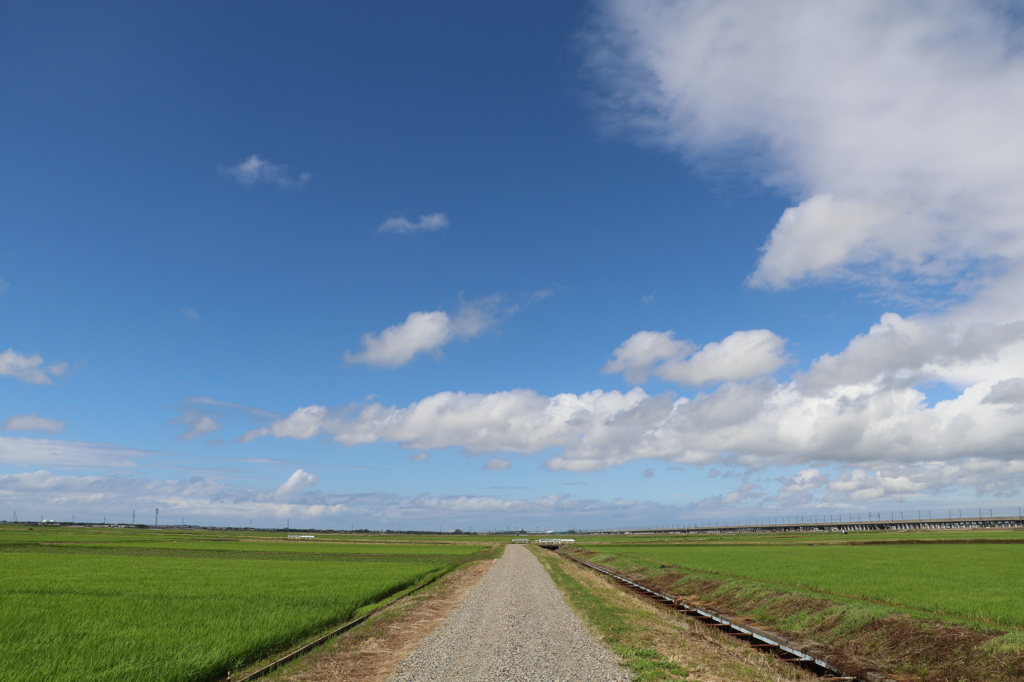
(831, 524)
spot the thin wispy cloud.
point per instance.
(245, 409)
(19, 451)
(430, 222)
(190, 314)
(255, 170)
(32, 422)
(199, 425)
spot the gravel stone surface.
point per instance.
(513, 626)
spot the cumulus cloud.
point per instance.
(497, 464)
(297, 483)
(1008, 391)
(29, 368)
(427, 332)
(741, 355)
(894, 124)
(255, 169)
(31, 422)
(899, 351)
(431, 222)
(765, 422)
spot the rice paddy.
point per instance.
(978, 580)
(119, 605)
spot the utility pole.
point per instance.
(156, 523)
(133, 517)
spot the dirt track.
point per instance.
(513, 625)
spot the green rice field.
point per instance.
(119, 605)
(982, 581)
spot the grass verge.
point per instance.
(655, 643)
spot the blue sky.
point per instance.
(541, 265)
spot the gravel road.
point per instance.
(512, 626)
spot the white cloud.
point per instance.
(29, 368)
(200, 424)
(31, 422)
(4, 286)
(1008, 391)
(497, 464)
(858, 406)
(296, 484)
(746, 491)
(427, 332)
(896, 125)
(419, 457)
(254, 169)
(900, 351)
(427, 223)
(741, 355)
(190, 313)
(69, 454)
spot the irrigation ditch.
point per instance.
(763, 640)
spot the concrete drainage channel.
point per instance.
(756, 638)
